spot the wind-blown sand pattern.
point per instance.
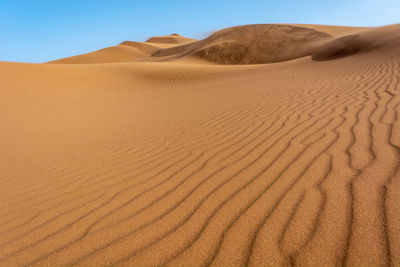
(178, 152)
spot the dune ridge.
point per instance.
(170, 39)
(182, 162)
(246, 44)
(251, 44)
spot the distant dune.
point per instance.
(251, 44)
(120, 53)
(387, 38)
(248, 44)
(170, 39)
(260, 145)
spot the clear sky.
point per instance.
(43, 30)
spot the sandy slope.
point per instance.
(185, 163)
(127, 51)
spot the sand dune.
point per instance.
(186, 163)
(120, 53)
(252, 44)
(127, 51)
(387, 39)
(170, 39)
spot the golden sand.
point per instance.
(179, 152)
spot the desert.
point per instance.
(258, 145)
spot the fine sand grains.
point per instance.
(191, 164)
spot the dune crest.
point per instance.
(120, 53)
(170, 39)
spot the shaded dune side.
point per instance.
(381, 38)
(341, 47)
(251, 44)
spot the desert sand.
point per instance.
(260, 145)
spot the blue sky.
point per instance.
(43, 30)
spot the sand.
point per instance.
(136, 155)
